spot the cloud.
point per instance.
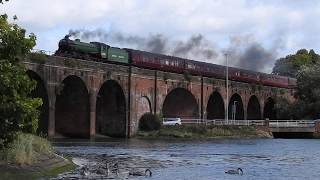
(268, 21)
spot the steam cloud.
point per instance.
(243, 51)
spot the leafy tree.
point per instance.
(292, 64)
(307, 104)
(18, 112)
(308, 90)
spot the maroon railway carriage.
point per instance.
(205, 69)
(274, 80)
(156, 61)
(244, 75)
(179, 65)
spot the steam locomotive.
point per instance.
(97, 51)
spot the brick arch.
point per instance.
(239, 105)
(69, 73)
(215, 108)
(180, 102)
(111, 108)
(72, 108)
(268, 110)
(253, 108)
(120, 83)
(40, 91)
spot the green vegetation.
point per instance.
(292, 64)
(307, 104)
(26, 149)
(187, 76)
(18, 112)
(38, 57)
(305, 66)
(150, 122)
(201, 132)
(71, 63)
(31, 157)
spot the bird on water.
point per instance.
(147, 172)
(235, 171)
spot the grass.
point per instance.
(26, 175)
(25, 149)
(31, 157)
(201, 132)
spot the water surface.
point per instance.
(208, 159)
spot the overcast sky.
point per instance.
(254, 32)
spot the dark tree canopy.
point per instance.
(292, 64)
(307, 104)
(18, 112)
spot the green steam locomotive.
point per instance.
(91, 51)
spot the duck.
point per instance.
(84, 171)
(104, 170)
(234, 171)
(147, 172)
(116, 169)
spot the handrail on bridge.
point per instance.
(258, 122)
(221, 122)
(291, 123)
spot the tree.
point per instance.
(292, 64)
(308, 90)
(307, 103)
(18, 111)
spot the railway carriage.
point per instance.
(101, 52)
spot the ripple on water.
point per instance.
(260, 159)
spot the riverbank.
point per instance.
(31, 157)
(195, 132)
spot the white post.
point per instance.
(227, 88)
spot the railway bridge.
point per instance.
(85, 99)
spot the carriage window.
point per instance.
(191, 66)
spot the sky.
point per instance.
(254, 33)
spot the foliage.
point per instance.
(202, 131)
(292, 64)
(38, 57)
(17, 111)
(150, 122)
(187, 76)
(26, 148)
(308, 90)
(307, 104)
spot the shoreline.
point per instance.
(205, 132)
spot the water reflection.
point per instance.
(171, 159)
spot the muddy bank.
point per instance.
(46, 166)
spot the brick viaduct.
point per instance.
(87, 99)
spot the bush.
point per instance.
(25, 149)
(38, 57)
(20, 150)
(149, 122)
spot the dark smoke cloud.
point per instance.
(196, 47)
(244, 51)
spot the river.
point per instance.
(196, 160)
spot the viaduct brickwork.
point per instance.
(89, 99)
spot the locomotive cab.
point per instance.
(103, 49)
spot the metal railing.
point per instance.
(291, 123)
(49, 53)
(221, 122)
(272, 123)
